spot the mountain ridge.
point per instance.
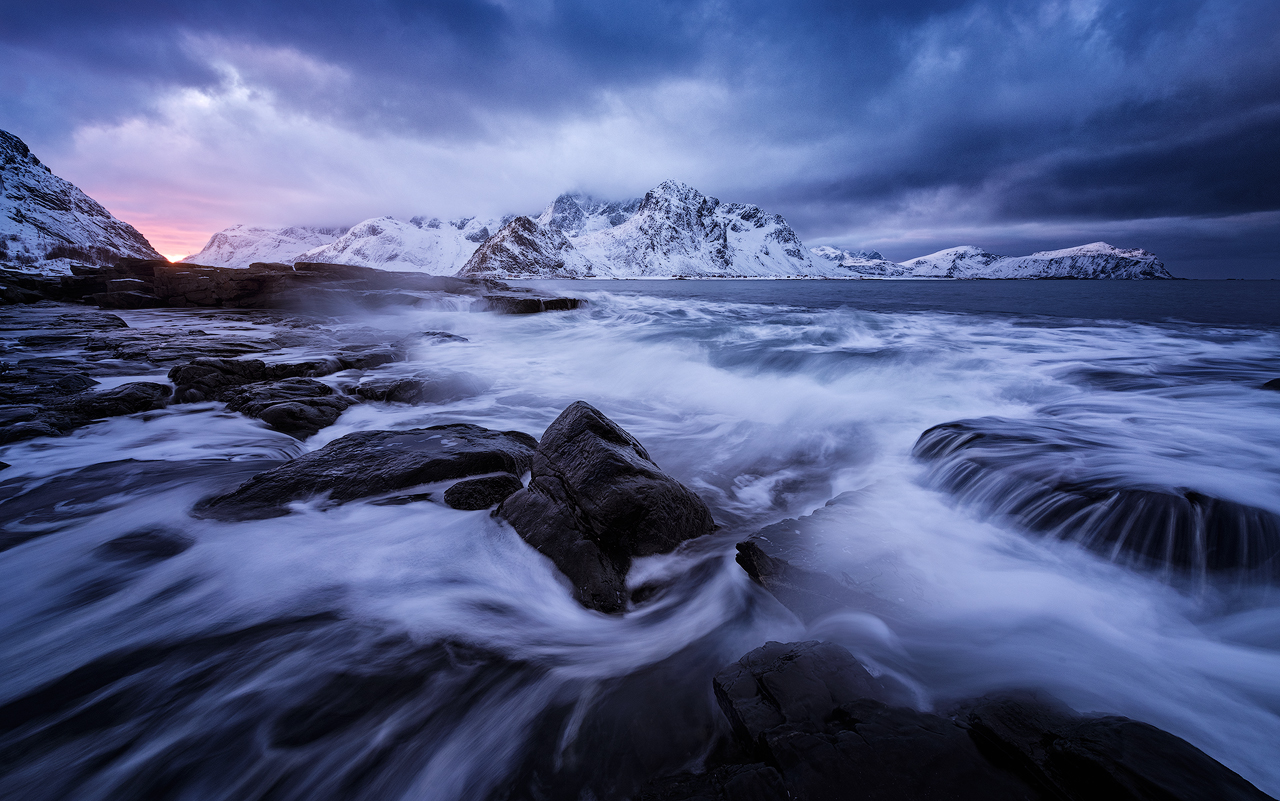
(46, 222)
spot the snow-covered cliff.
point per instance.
(46, 222)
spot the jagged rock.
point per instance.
(596, 500)
(373, 462)
(1032, 473)
(296, 406)
(481, 493)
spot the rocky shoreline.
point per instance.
(796, 720)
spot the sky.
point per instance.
(904, 126)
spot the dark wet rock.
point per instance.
(296, 406)
(1035, 475)
(207, 379)
(1065, 755)
(375, 462)
(369, 358)
(811, 722)
(145, 545)
(596, 500)
(438, 337)
(137, 396)
(1272, 384)
(527, 304)
(423, 388)
(166, 345)
(481, 493)
(395, 390)
(18, 432)
(60, 411)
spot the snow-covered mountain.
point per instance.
(420, 245)
(46, 223)
(675, 230)
(1096, 260)
(523, 247)
(242, 245)
(859, 263)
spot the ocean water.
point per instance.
(410, 651)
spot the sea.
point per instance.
(405, 650)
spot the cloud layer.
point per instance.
(899, 125)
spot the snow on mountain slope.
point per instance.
(574, 214)
(859, 263)
(242, 245)
(46, 222)
(674, 230)
(1096, 260)
(525, 249)
(420, 245)
(966, 261)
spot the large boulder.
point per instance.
(809, 721)
(596, 500)
(375, 462)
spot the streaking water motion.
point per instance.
(407, 650)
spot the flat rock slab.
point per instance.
(375, 462)
(596, 501)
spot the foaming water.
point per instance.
(414, 651)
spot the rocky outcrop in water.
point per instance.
(809, 721)
(596, 500)
(1032, 473)
(369, 463)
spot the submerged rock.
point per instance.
(1032, 473)
(596, 500)
(145, 545)
(374, 462)
(809, 721)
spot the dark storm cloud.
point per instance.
(994, 111)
